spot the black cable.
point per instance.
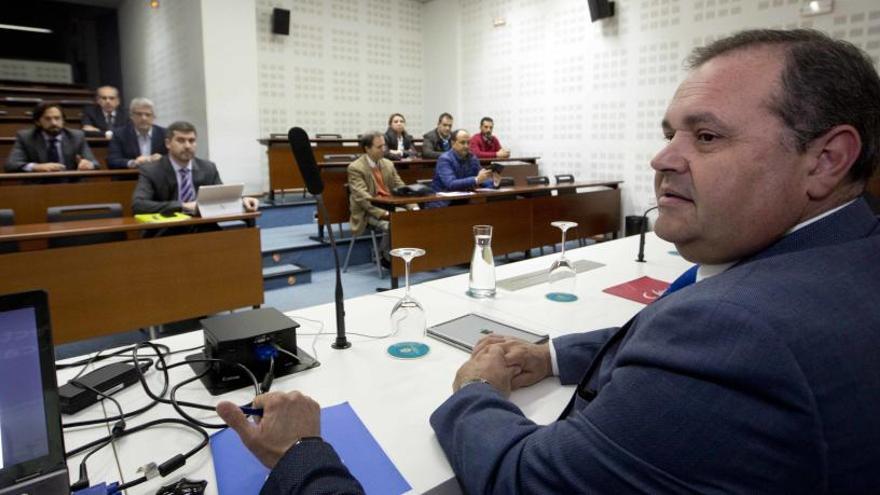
(172, 400)
(269, 377)
(166, 467)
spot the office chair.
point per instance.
(376, 254)
(7, 217)
(84, 212)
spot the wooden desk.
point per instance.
(446, 236)
(99, 146)
(27, 91)
(11, 124)
(16, 106)
(335, 176)
(19, 193)
(283, 170)
(106, 288)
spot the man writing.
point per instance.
(757, 371)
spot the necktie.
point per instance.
(53, 151)
(683, 280)
(187, 193)
(110, 120)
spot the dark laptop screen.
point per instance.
(23, 434)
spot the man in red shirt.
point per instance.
(485, 145)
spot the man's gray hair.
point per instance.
(141, 102)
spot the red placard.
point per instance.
(643, 290)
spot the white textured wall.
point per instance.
(346, 66)
(589, 97)
(163, 59)
(229, 32)
(441, 31)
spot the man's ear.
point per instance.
(834, 152)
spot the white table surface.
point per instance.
(394, 398)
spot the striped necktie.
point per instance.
(187, 193)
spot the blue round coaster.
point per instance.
(674, 253)
(408, 350)
(562, 297)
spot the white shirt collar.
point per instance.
(178, 166)
(706, 271)
(370, 161)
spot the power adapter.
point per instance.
(108, 379)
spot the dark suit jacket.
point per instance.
(762, 379)
(432, 145)
(124, 145)
(93, 115)
(391, 144)
(30, 147)
(310, 467)
(156, 190)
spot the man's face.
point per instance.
(142, 117)
(461, 145)
(181, 145)
(52, 121)
(377, 149)
(444, 127)
(108, 99)
(486, 128)
(730, 181)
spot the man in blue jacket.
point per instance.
(459, 170)
(758, 371)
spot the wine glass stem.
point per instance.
(406, 277)
(562, 251)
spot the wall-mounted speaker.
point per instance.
(281, 21)
(600, 9)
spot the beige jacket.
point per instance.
(362, 188)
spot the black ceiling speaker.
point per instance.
(600, 9)
(280, 21)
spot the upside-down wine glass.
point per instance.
(408, 317)
(562, 275)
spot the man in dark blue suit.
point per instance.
(139, 141)
(763, 376)
(758, 371)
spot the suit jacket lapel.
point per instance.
(67, 151)
(40, 145)
(171, 177)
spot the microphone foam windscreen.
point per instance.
(305, 159)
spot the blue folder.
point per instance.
(239, 472)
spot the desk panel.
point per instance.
(596, 212)
(105, 288)
(30, 201)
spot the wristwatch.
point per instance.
(472, 381)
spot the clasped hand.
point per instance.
(506, 363)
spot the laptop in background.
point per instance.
(31, 441)
(220, 200)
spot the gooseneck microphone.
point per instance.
(305, 160)
(641, 257)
